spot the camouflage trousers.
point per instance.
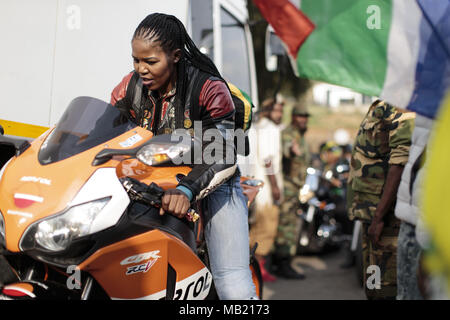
(288, 226)
(380, 263)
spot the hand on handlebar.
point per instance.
(176, 199)
(176, 202)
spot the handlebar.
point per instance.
(150, 194)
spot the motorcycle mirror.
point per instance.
(106, 154)
(168, 148)
(20, 145)
(273, 49)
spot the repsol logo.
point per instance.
(194, 287)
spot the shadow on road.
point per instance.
(325, 280)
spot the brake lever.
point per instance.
(152, 195)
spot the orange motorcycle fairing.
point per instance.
(48, 188)
(65, 184)
(150, 265)
(163, 176)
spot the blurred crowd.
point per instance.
(358, 197)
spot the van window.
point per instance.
(235, 60)
(202, 26)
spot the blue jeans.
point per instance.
(226, 234)
(408, 255)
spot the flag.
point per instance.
(433, 189)
(393, 49)
(289, 23)
(384, 48)
(432, 73)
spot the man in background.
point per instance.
(267, 168)
(379, 155)
(296, 158)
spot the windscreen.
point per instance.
(86, 123)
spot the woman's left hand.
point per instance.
(176, 202)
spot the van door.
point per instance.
(27, 32)
(220, 30)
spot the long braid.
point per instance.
(171, 34)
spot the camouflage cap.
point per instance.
(300, 109)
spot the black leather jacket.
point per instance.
(216, 112)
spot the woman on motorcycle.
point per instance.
(168, 63)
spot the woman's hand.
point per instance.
(176, 202)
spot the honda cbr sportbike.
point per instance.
(79, 214)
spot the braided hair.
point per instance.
(171, 35)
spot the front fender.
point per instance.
(33, 290)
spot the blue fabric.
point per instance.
(226, 234)
(186, 191)
(433, 65)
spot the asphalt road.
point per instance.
(325, 280)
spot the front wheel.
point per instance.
(308, 240)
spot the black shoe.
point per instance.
(285, 270)
(269, 263)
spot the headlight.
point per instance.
(153, 154)
(2, 225)
(305, 194)
(2, 220)
(56, 233)
(253, 183)
(2, 170)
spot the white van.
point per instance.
(56, 50)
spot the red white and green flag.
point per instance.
(289, 23)
(383, 48)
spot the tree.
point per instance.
(268, 82)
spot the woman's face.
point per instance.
(154, 65)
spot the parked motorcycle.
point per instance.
(79, 214)
(320, 228)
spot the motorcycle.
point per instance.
(320, 226)
(79, 214)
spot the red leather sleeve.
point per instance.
(120, 90)
(216, 98)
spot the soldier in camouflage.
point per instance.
(295, 160)
(379, 155)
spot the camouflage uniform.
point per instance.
(383, 139)
(294, 175)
